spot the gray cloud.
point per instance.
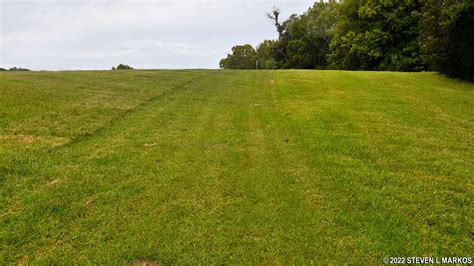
(57, 35)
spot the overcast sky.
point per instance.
(88, 34)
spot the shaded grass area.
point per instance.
(234, 166)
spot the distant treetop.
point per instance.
(122, 67)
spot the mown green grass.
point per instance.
(234, 167)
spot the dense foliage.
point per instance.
(447, 36)
(377, 35)
(396, 35)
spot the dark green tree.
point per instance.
(242, 57)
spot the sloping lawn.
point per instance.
(185, 167)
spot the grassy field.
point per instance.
(232, 167)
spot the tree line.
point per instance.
(395, 35)
(14, 69)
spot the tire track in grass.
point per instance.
(29, 166)
(23, 167)
(120, 117)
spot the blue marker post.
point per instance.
(256, 64)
